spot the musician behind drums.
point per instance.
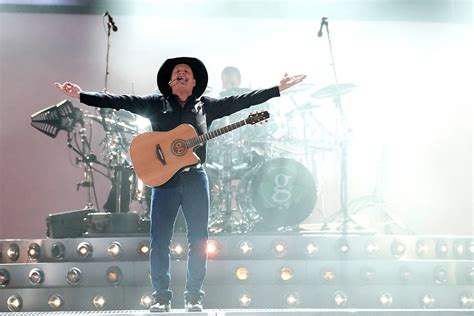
(181, 81)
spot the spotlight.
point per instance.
(427, 301)
(113, 275)
(34, 251)
(177, 250)
(13, 252)
(36, 276)
(146, 301)
(15, 303)
(279, 249)
(398, 248)
(114, 249)
(328, 275)
(459, 248)
(367, 274)
(340, 299)
(405, 274)
(311, 249)
(84, 249)
(4, 278)
(342, 246)
(286, 274)
(385, 299)
(212, 248)
(371, 249)
(471, 248)
(242, 274)
(55, 302)
(143, 248)
(466, 300)
(470, 274)
(58, 250)
(440, 275)
(73, 276)
(245, 300)
(245, 247)
(441, 248)
(99, 302)
(293, 299)
(421, 248)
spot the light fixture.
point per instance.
(279, 249)
(13, 252)
(342, 246)
(386, 299)
(441, 248)
(55, 302)
(340, 299)
(327, 274)
(293, 299)
(14, 303)
(470, 274)
(212, 248)
(84, 249)
(177, 250)
(440, 275)
(286, 274)
(73, 276)
(470, 248)
(405, 274)
(242, 274)
(113, 275)
(143, 248)
(4, 278)
(146, 301)
(245, 247)
(398, 248)
(36, 276)
(245, 300)
(466, 300)
(311, 249)
(459, 248)
(58, 250)
(371, 249)
(34, 251)
(427, 301)
(99, 302)
(114, 249)
(421, 248)
(367, 274)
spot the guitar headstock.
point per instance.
(257, 117)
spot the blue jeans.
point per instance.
(190, 190)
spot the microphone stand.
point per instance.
(343, 140)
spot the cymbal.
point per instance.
(333, 90)
(304, 108)
(301, 87)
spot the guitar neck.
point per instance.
(197, 141)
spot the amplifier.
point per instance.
(69, 224)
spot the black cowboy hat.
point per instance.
(199, 73)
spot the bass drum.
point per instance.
(280, 192)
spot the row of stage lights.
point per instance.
(292, 300)
(246, 247)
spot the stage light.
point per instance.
(99, 302)
(466, 300)
(113, 275)
(459, 248)
(441, 248)
(340, 299)
(73, 276)
(405, 274)
(421, 248)
(146, 301)
(385, 299)
(342, 246)
(55, 302)
(245, 300)
(311, 249)
(34, 251)
(470, 274)
(440, 275)
(471, 248)
(58, 250)
(114, 249)
(245, 247)
(286, 274)
(293, 299)
(398, 248)
(36, 276)
(177, 250)
(143, 248)
(279, 249)
(13, 252)
(84, 249)
(212, 248)
(327, 274)
(427, 301)
(367, 274)
(242, 274)
(371, 249)
(15, 303)
(4, 278)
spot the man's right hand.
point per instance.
(70, 89)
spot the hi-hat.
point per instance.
(333, 90)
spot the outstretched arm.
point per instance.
(287, 82)
(69, 89)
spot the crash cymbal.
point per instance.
(333, 90)
(301, 87)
